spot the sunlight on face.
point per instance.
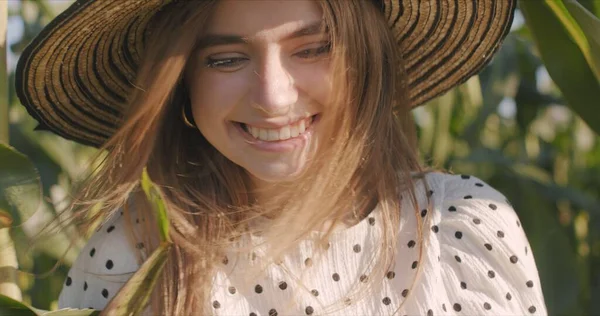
(259, 84)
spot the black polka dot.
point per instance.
(479, 184)
(487, 306)
(456, 307)
(491, 274)
(531, 309)
(232, 290)
(225, 260)
(435, 228)
(363, 278)
(272, 312)
(282, 285)
(139, 245)
(423, 213)
(335, 277)
(468, 197)
(216, 304)
(109, 264)
(444, 307)
(463, 285)
(356, 248)
(493, 206)
(464, 176)
(414, 264)
(429, 313)
(68, 281)
(452, 209)
(314, 293)
(258, 289)
(85, 286)
(457, 259)
(476, 221)
(105, 293)
(371, 221)
(252, 314)
(309, 310)
(458, 235)
(390, 275)
(529, 283)
(404, 292)
(92, 252)
(386, 301)
(500, 234)
(430, 193)
(514, 259)
(110, 229)
(411, 244)
(488, 247)
(508, 296)
(308, 262)
(348, 301)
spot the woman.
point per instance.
(281, 136)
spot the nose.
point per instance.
(275, 92)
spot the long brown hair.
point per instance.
(367, 158)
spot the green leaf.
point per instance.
(158, 204)
(133, 297)
(564, 61)
(20, 184)
(590, 27)
(9, 306)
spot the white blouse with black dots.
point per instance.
(476, 261)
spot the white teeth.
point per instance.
(283, 133)
(253, 131)
(273, 134)
(263, 134)
(294, 131)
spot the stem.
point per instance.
(8, 257)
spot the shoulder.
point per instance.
(107, 261)
(487, 264)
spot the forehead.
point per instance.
(262, 18)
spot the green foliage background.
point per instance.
(511, 126)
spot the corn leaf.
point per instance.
(133, 297)
(20, 186)
(158, 204)
(563, 58)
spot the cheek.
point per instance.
(316, 83)
(214, 96)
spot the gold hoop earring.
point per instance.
(184, 117)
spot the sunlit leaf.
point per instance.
(133, 297)
(158, 204)
(564, 61)
(19, 184)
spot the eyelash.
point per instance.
(232, 62)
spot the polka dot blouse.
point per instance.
(476, 260)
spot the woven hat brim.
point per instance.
(75, 76)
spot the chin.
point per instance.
(275, 175)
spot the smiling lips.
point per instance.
(277, 134)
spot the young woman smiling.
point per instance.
(281, 136)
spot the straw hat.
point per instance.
(75, 76)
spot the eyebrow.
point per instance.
(210, 40)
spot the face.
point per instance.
(259, 84)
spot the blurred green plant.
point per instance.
(526, 125)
